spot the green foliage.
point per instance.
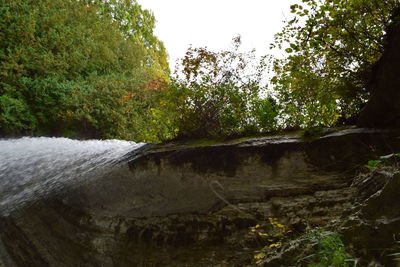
(330, 48)
(329, 250)
(315, 248)
(137, 25)
(69, 69)
(382, 161)
(116, 106)
(94, 68)
(218, 94)
(15, 114)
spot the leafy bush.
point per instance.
(329, 250)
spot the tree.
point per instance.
(219, 93)
(330, 48)
(137, 25)
(66, 69)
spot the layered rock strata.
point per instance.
(183, 205)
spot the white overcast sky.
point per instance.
(213, 23)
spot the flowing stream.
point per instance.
(33, 168)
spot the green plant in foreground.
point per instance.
(323, 248)
(329, 250)
(374, 164)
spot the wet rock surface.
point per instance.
(375, 226)
(179, 205)
(369, 225)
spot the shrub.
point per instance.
(220, 94)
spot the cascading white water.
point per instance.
(32, 168)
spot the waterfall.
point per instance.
(33, 168)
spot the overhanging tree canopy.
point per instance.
(330, 48)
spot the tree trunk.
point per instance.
(383, 107)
